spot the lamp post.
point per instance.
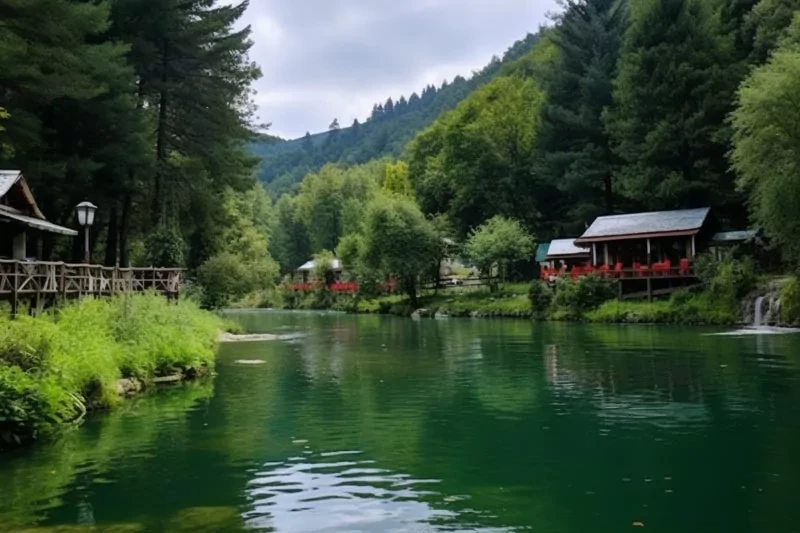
(85, 212)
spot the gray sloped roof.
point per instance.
(565, 248)
(541, 252)
(7, 179)
(336, 264)
(685, 221)
(734, 236)
(36, 223)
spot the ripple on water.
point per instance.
(316, 494)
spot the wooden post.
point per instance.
(594, 254)
(648, 252)
(63, 282)
(694, 250)
(605, 250)
(14, 288)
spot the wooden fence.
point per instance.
(39, 281)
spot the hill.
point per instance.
(387, 131)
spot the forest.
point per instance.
(615, 106)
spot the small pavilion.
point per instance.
(663, 239)
(20, 217)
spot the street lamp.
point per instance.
(85, 211)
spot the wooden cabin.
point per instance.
(21, 220)
(306, 271)
(641, 241)
(559, 257)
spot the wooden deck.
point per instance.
(39, 281)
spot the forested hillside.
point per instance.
(620, 106)
(386, 131)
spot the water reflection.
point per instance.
(342, 491)
(381, 424)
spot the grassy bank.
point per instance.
(684, 308)
(55, 367)
(510, 301)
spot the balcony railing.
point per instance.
(39, 278)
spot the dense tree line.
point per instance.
(141, 106)
(619, 106)
(626, 106)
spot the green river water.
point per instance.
(386, 424)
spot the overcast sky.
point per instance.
(335, 58)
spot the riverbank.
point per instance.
(88, 355)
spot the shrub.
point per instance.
(790, 301)
(166, 247)
(55, 366)
(729, 278)
(32, 406)
(541, 297)
(574, 298)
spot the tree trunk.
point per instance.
(161, 138)
(112, 237)
(124, 230)
(609, 192)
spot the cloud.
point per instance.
(335, 58)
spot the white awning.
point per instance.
(37, 223)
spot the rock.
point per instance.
(168, 379)
(128, 387)
(441, 315)
(259, 337)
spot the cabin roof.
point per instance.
(336, 264)
(644, 225)
(565, 248)
(727, 237)
(35, 223)
(7, 179)
(22, 206)
(541, 252)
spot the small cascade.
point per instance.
(758, 318)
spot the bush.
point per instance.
(729, 278)
(55, 366)
(574, 298)
(790, 301)
(166, 248)
(541, 297)
(226, 277)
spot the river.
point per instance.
(386, 424)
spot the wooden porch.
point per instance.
(40, 282)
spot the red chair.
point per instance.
(604, 271)
(684, 267)
(576, 272)
(667, 266)
(643, 270)
(618, 270)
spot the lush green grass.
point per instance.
(682, 308)
(790, 301)
(462, 303)
(56, 366)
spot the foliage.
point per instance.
(476, 161)
(386, 133)
(242, 264)
(166, 247)
(728, 279)
(790, 301)
(54, 367)
(673, 91)
(541, 297)
(497, 243)
(575, 298)
(140, 106)
(396, 180)
(681, 308)
(399, 241)
(575, 144)
(766, 152)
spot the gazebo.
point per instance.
(20, 217)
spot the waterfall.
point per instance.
(758, 319)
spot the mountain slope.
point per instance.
(388, 130)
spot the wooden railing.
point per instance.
(39, 278)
